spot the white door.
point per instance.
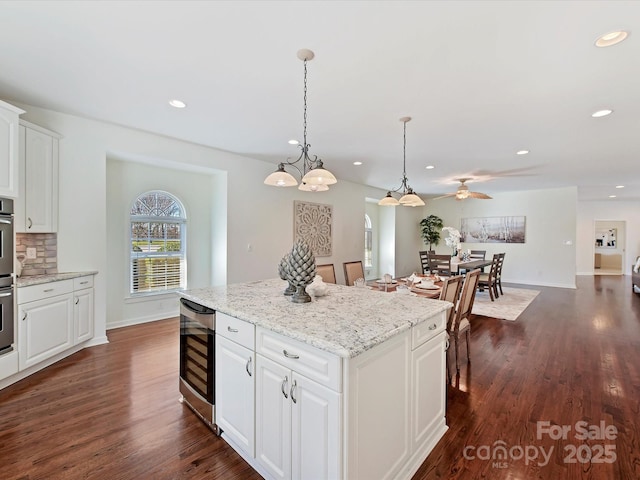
(273, 417)
(235, 388)
(45, 328)
(429, 389)
(39, 182)
(83, 315)
(315, 430)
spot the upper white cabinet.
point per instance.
(9, 150)
(37, 205)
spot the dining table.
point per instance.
(463, 267)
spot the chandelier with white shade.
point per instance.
(408, 198)
(314, 177)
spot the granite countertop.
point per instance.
(346, 322)
(52, 277)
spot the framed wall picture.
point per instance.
(312, 223)
(493, 230)
(607, 238)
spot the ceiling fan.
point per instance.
(463, 192)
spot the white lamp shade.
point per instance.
(411, 200)
(305, 187)
(280, 178)
(389, 201)
(319, 176)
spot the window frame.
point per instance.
(164, 219)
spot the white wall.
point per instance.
(545, 258)
(588, 213)
(244, 211)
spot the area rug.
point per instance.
(506, 307)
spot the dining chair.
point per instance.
(450, 293)
(440, 264)
(499, 273)
(461, 323)
(489, 280)
(352, 271)
(424, 261)
(478, 254)
(327, 272)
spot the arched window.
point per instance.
(368, 242)
(158, 244)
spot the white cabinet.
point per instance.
(9, 186)
(235, 393)
(53, 317)
(45, 325)
(83, 312)
(37, 206)
(298, 421)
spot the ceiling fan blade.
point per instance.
(479, 195)
(444, 196)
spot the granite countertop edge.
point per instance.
(51, 277)
(343, 338)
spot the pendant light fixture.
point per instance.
(314, 178)
(408, 199)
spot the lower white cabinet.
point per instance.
(297, 424)
(45, 328)
(53, 317)
(235, 393)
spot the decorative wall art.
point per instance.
(606, 238)
(493, 230)
(312, 223)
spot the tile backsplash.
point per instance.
(46, 245)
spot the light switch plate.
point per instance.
(31, 253)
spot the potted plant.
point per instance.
(430, 230)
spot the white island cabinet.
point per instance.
(350, 386)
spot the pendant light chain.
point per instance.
(305, 106)
(404, 159)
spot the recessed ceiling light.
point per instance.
(612, 196)
(357, 163)
(177, 103)
(619, 186)
(522, 152)
(293, 142)
(602, 113)
(429, 167)
(611, 38)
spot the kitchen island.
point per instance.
(351, 385)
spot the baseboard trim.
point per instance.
(146, 319)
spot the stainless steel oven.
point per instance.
(7, 255)
(197, 359)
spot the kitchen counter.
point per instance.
(53, 277)
(347, 321)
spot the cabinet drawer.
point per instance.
(83, 282)
(422, 332)
(318, 365)
(44, 290)
(239, 331)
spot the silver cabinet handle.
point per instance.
(293, 389)
(232, 330)
(30, 222)
(8, 294)
(77, 301)
(48, 290)
(433, 326)
(282, 387)
(290, 355)
(248, 365)
(24, 317)
(84, 283)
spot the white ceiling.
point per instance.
(481, 80)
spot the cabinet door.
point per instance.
(235, 393)
(8, 152)
(45, 328)
(40, 182)
(273, 417)
(83, 315)
(315, 430)
(429, 389)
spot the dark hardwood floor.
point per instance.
(112, 411)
